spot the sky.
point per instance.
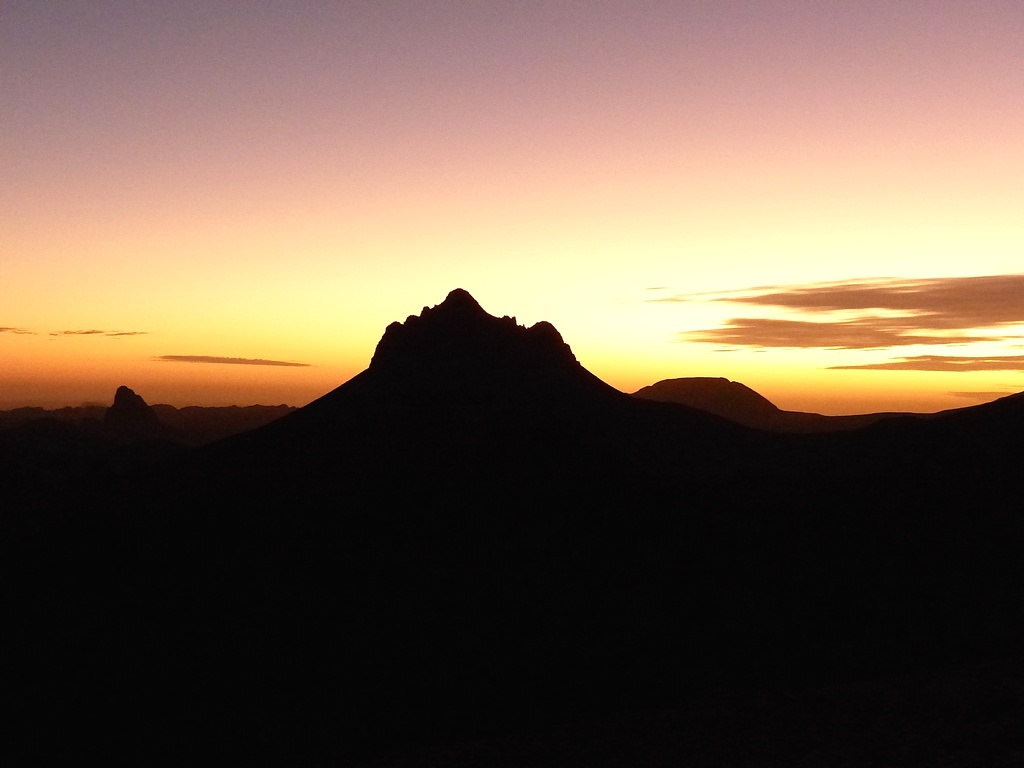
(226, 203)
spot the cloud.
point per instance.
(227, 360)
(859, 333)
(872, 314)
(18, 331)
(95, 332)
(944, 363)
(936, 303)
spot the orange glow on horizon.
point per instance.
(248, 186)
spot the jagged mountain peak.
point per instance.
(458, 300)
(458, 336)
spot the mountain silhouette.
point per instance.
(131, 417)
(729, 399)
(475, 536)
(459, 386)
(458, 349)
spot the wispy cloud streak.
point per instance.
(95, 332)
(944, 363)
(860, 333)
(228, 360)
(17, 331)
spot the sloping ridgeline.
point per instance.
(477, 536)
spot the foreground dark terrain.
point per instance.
(477, 553)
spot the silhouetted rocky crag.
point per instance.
(131, 419)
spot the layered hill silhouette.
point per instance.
(476, 536)
(45, 451)
(738, 402)
(131, 419)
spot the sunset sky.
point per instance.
(227, 202)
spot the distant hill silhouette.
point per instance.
(475, 538)
(739, 403)
(130, 418)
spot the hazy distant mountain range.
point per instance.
(477, 541)
(74, 444)
(136, 420)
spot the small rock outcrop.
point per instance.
(130, 417)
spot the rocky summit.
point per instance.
(457, 343)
